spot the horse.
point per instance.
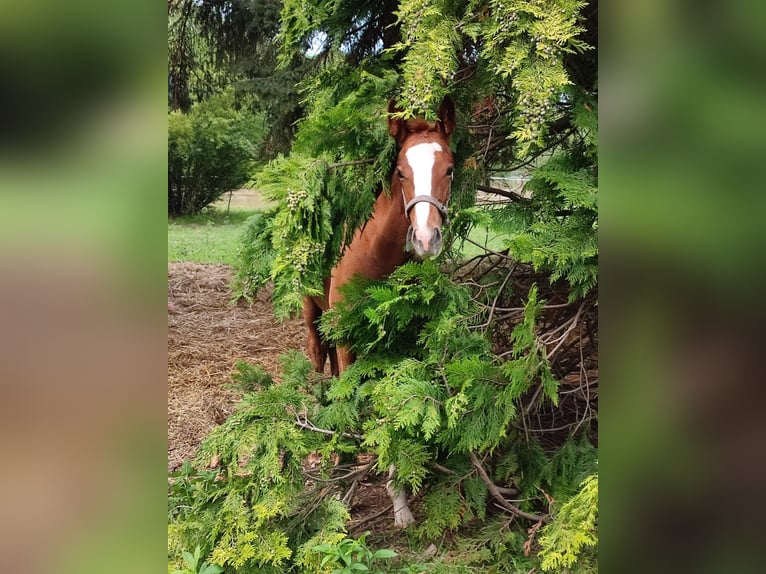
(409, 219)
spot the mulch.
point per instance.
(207, 335)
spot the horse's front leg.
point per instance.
(332, 353)
(317, 351)
(402, 515)
(345, 358)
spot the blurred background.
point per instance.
(82, 287)
(682, 146)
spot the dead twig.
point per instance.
(497, 495)
(366, 519)
(357, 472)
(571, 327)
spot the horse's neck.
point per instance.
(389, 226)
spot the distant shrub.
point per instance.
(210, 151)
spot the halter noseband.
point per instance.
(427, 199)
(422, 199)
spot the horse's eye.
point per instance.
(450, 171)
(400, 173)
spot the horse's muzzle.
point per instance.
(427, 242)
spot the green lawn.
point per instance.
(213, 237)
(490, 239)
(210, 237)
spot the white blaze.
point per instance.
(421, 158)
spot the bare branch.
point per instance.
(504, 193)
(308, 425)
(569, 330)
(497, 495)
(347, 163)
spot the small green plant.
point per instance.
(195, 564)
(352, 555)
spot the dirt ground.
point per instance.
(207, 335)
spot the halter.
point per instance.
(427, 199)
(422, 199)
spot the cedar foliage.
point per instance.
(464, 387)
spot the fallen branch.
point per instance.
(497, 495)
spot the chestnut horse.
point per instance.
(410, 217)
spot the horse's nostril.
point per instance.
(437, 237)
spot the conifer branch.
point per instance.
(308, 425)
(441, 468)
(348, 163)
(497, 495)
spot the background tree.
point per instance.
(217, 129)
(211, 150)
(242, 36)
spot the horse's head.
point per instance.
(423, 173)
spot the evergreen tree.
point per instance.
(477, 383)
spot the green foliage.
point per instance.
(528, 364)
(249, 510)
(213, 44)
(194, 73)
(525, 44)
(195, 564)
(428, 394)
(320, 192)
(431, 40)
(249, 378)
(210, 151)
(522, 68)
(557, 230)
(573, 531)
(352, 555)
(255, 256)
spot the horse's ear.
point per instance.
(395, 125)
(447, 115)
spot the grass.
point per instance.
(492, 240)
(213, 237)
(209, 237)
